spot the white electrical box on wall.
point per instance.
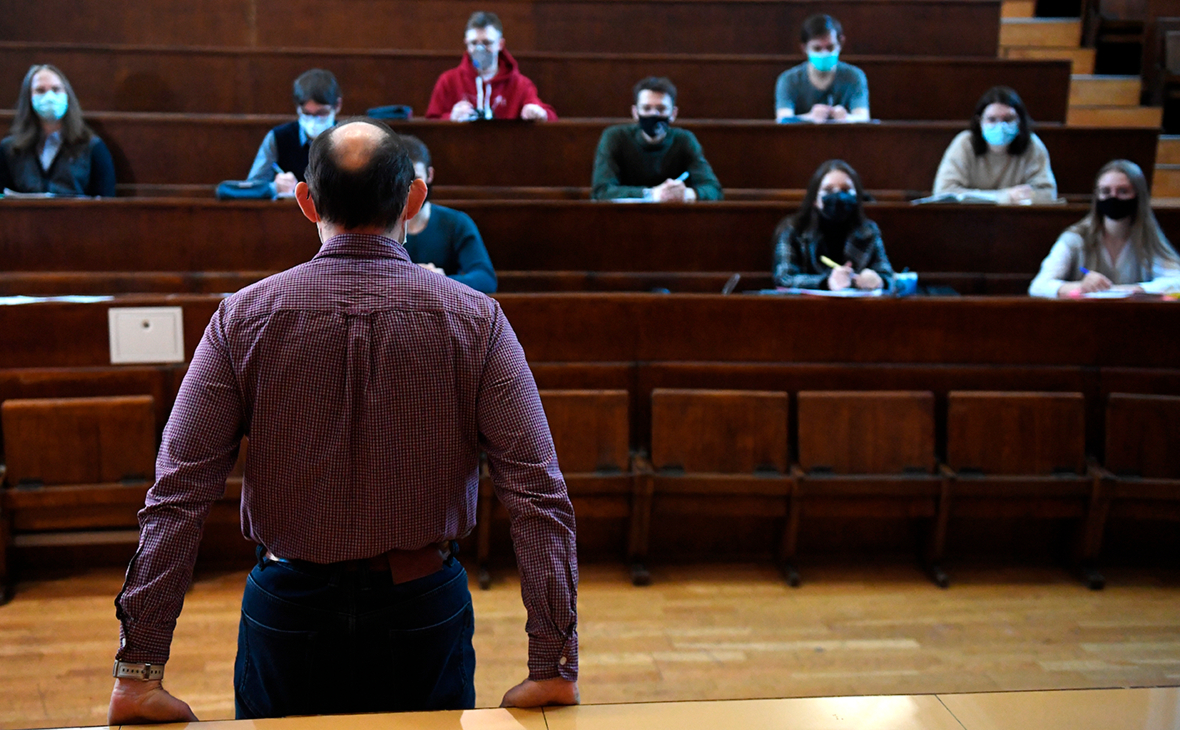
(146, 334)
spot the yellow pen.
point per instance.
(829, 263)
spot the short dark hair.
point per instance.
(818, 26)
(661, 84)
(374, 195)
(481, 19)
(416, 149)
(1007, 97)
(316, 85)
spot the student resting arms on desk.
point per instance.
(823, 88)
(487, 84)
(49, 148)
(649, 159)
(1119, 245)
(282, 156)
(831, 224)
(998, 154)
(443, 240)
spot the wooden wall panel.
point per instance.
(719, 431)
(1016, 433)
(870, 432)
(590, 428)
(1143, 435)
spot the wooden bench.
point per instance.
(258, 81)
(717, 453)
(75, 465)
(1022, 455)
(948, 27)
(867, 455)
(178, 149)
(591, 433)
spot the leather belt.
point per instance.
(403, 566)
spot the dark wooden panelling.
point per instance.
(590, 428)
(719, 431)
(258, 81)
(1016, 433)
(1143, 435)
(870, 432)
(948, 27)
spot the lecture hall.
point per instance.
(587, 364)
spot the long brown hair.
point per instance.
(1147, 240)
(26, 125)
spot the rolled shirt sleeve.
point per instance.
(528, 482)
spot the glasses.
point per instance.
(481, 45)
(322, 113)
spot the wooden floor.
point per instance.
(699, 633)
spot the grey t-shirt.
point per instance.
(849, 89)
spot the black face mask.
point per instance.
(1117, 209)
(655, 125)
(838, 208)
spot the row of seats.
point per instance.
(84, 464)
(252, 81)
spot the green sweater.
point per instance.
(626, 163)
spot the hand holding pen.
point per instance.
(1091, 282)
(675, 191)
(843, 277)
(284, 181)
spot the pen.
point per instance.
(832, 264)
(1085, 271)
(683, 176)
(275, 166)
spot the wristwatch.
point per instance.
(128, 670)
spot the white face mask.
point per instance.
(313, 126)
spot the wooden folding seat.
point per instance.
(717, 453)
(1142, 474)
(868, 455)
(76, 465)
(591, 433)
(1021, 455)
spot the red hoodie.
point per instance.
(507, 92)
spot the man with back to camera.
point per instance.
(368, 387)
(823, 88)
(282, 156)
(651, 159)
(487, 84)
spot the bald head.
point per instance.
(359, 175)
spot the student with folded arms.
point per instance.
(443, 240)
(999, 154)
(49, 148)
(1118, 246)
(831, 224)
(823, 88)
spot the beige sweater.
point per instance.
(962, 171)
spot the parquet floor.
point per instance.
(698, 633)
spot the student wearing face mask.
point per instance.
(282, 157)
(651, 159)
(831, 224)
(1118, 246)
(49, 148)
(444, 240)
(487, 84)
(823, 88)
(999, 156)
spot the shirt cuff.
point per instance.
(146, 646)
(550, 659)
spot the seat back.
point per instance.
(590, 429)
(1143, 435)
(79, 440)
(1016, 433)
(719, 431)
(869, 432)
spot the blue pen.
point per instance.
(278, 170)
(683, 176)
(1085, 271)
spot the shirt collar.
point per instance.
(303, 140)
(362, 246)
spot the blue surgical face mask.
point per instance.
(314, 126)
(999, 134)
(825, 61)
(51, 105)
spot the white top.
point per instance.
(1065, 260)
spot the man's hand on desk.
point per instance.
(137, 701)
(555, 691)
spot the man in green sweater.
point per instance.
(651, 160)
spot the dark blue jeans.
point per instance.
(316, 640)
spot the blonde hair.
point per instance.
(1147, 240)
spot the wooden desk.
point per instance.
(205, 149)
(258, 81)
(894, 27)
